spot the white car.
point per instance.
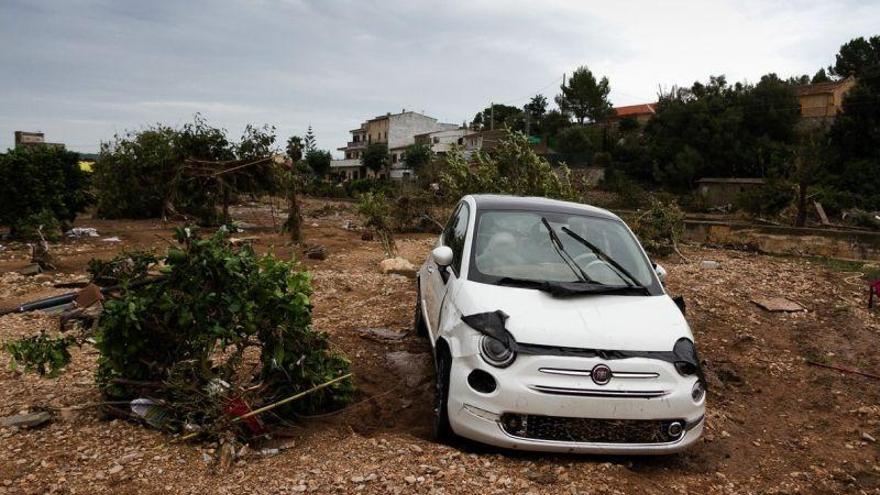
(551, 331)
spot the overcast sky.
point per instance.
(82, 70)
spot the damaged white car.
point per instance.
(551, 331)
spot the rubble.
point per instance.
(801, 416)
(31, 420)
(398, 266)
(81, 232)
(777, 304)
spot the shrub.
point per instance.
(512, 168)
(768, 199)
(194, 170)
(376, 211)
(601, 159)
(630, 193)
(41, 185)
(660, 227)
(190, 331)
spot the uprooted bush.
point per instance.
(511, 168)
(223, 331)
(660, 227)
(41, 185)
(195, 171)
(376, 212)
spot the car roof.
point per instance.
(504, 202)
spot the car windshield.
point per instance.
(516, 245)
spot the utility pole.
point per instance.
(492, 113)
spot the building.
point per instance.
(483, 140)
(823, 100)
(397, 131)
(642, 113)
(442, 142)
(724, 191)
(25, 138)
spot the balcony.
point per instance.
(356, 144)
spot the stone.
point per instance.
(316, 252)
(25, 420)
(32, 269)
(868, 437)
(399, 266)
(778, 304)
(710, 265)
(115, 469)
(410, 479)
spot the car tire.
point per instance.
(442, 430)
(418, 321)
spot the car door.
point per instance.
(439, 280)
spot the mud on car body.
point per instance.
(551, 331)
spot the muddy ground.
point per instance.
(775, 423)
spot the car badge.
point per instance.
(601, 374)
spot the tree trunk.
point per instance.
(294, 218)
(801, 218)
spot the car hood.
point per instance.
(608, 322)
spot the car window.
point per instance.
(454, 235)
(516, 244)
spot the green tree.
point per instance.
(295, 149)
(576, 140)
(535, 110)
(553, 122)
(309, 142)
(857, 57)
(820, 77)
(808, 166)
(498, 116)
(585, 97)
(854, 142)
(319, 162)
(41, 185)
(417, 156)
(375, 157)
(721, 130)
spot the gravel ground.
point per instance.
(775, 423)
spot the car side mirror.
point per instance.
(661, 273)
(442, 256)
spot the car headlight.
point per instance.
(686, 361)
(497, 353)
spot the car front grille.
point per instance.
(592, 430)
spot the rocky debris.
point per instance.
(381, 334)
(31, 270)
(868, 437)
(398, 266)
(710, 265)
(413, 368)
(113, 239)
(81, 232)
(316, 252)
(31, 420)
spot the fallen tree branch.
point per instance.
(845, 370)
(291, 398)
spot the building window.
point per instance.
(436, 140)
(394, 158)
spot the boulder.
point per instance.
(399, 266)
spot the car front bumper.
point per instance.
(557, 391)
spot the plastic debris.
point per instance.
(80, 232)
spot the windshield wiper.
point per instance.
(564, 289)
(621, 271)
(579, 273)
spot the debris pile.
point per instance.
(219, 338)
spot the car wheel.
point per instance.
(442, 430)
(418, 320)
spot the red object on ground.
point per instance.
(873, 290)
(238, 407)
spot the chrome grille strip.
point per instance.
(614, 374)
(591, 392)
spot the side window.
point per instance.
(454, 235)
